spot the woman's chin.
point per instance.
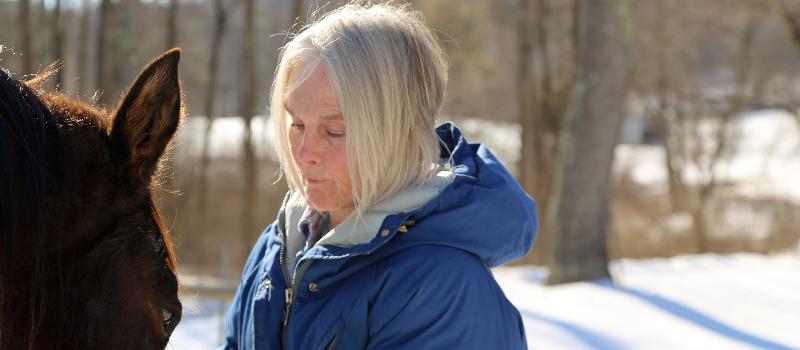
(317, 203)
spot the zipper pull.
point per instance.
(288, 294)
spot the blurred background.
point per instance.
(643, 129)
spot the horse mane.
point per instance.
(29, 136)
(41, 77)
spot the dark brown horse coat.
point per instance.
(85, 261)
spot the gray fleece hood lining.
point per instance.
(352, 232)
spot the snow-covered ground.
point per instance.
(741, 301)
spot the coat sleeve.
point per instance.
(240, 305)
(233, 322)
(436, 297)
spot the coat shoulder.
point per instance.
(442, 294)
(436, 271)
(433, 258)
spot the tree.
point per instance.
(40, 42)
(247, 111)
(792, 20)
(104, 50)
(544, 86)
(588, 139)
(220, 26)
(58, 49)
(525, 91)
(83, 49)
(696, 126)
(172, 25)
(297, 11)
(25, 36)
(123, 48)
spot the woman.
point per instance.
(387, 234)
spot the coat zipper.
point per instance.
(298, 273)
(290, 290)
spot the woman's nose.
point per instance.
(308, 150)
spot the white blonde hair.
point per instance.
(390, 74)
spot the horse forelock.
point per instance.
(27, 130)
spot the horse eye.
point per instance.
(166, 316)
(166, 319)
(170, 318)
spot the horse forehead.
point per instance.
(74, 113)
(84, 125)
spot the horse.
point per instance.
(85, 259)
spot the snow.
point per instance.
(226, 137)
(202, 325)
(742, 301)
(739, 301)
(763, 162)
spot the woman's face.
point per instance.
(317, 138)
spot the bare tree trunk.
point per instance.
(25, 36)
(58, 38)
(525, 104)
(297, 12)
(172, 24)
(588, 139)
(742, 97)
(247, 112)
(664, 125)
(542, 103)
(124, 47)
(201, 185)
(665, 130)
(792, 21)
(525, 93)
(547, 70)
(41, 40)
(220, 24)
(104, 52)
(83, 49)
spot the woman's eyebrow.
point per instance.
(335, 117)
(286, 107)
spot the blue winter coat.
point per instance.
(427, 288)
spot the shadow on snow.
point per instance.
(688, 314)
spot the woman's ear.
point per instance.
(148, 116)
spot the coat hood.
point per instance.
(477, 206)
(484, 210)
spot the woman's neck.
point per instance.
(338, 216)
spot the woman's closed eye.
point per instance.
(337, 133)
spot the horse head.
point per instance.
(87, 262)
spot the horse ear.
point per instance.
(147, 117)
